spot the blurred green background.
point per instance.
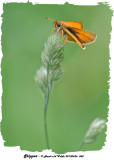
(76, 100)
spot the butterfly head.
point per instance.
(57, 24)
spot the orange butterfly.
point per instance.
(73, 32)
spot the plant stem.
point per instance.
(49, 72)
(46, 99)
(45, 120)
(81, 144)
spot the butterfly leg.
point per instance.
(64, 42)
(58, 30)
(52, 31)
(62, 33)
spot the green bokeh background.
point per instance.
(76, 100)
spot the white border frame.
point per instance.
(107, 151)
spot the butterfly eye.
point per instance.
(58, 25)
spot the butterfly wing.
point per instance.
(70, 36)
(85, 36)
(80, 36)
(73, 24)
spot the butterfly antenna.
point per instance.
(49, 19)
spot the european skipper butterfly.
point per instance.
(73, 32)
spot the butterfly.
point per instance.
(73, 32)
